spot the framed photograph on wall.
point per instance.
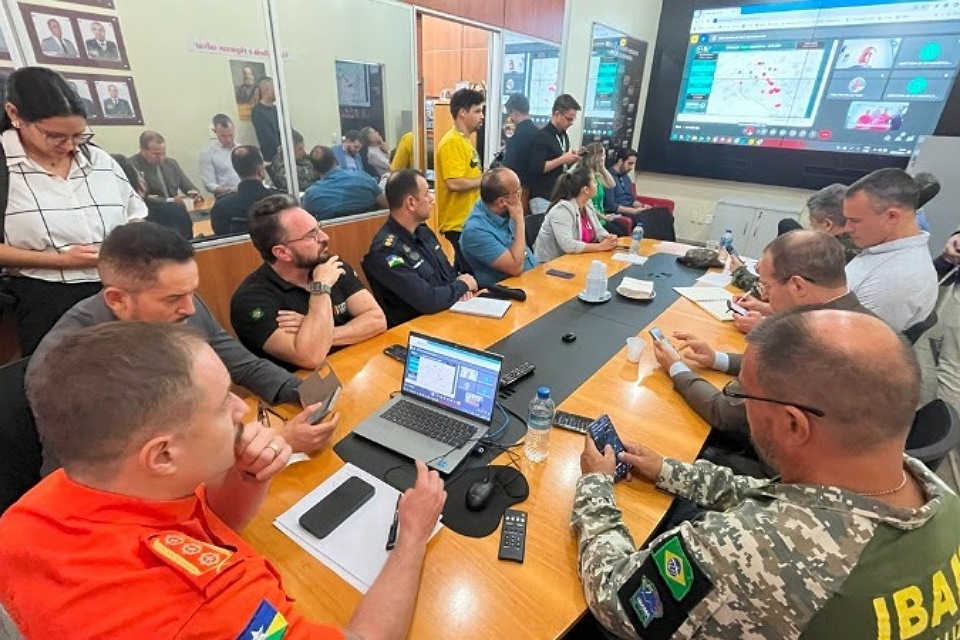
(68, 37)
(117, 99)
(246, 79)
(83, 87)
(106, 4)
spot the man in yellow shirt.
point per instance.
(458, 169)
(403, 154)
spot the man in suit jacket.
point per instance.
(56, 44)
(164, 177)
(98, 47)
(799, 268)
(231, 213)
(115, 106)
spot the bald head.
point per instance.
(851, 366)
(816, 256)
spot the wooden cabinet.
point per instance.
(538, 18)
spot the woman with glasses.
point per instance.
(62, 195)
(571, 224)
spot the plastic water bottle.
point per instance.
(539, 423)
(636, 238)
(726, 240)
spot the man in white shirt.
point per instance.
(216, 168)
(893, 276)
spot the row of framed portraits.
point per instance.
(65, 37)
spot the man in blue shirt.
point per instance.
(493, 239)
(340, 193)
(348, 151)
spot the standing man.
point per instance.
(216, 168)
(494, 236)
(406, 267)
(163, 175)
(347, 152)
(302, 302)
(516, 156)
(551, 152)
(266, 121)
(458, 169)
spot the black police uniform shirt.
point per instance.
(409, 273)
(263, 294)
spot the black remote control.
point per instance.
(397, 351)
(572, 422)
(511, 377)
(513, 535)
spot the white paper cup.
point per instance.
(635, 349)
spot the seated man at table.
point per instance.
(855, 539)
(306, 176)
(406, 267)
(216, 168)
(493, 239)
(338, 193)
(231, 213)
(136, 536)
(301, 302)
(798, 268)
(164, 177)
(149, 274)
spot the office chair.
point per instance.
(533, 223)
(20, 456)
(934, 434)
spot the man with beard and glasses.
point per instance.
(302, 302)
(854, 540)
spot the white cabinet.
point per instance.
(752, 221)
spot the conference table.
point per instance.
(466, 592)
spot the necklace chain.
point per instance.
(877, 494)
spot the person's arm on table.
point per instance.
(368, 320)
(386, 610)
(426, 298)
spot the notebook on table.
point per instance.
(445, 405)
(713, 300)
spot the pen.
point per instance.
(392, 536)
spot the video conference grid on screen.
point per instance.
(854, 76)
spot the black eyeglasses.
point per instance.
(731, 393)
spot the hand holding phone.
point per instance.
(603, 433)
(657, 335)
(736, 309)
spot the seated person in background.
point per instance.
(301, 302)
(402, 156)
(159, 475)
(217, 171)
(149, 275)
(347, 152)
(593, 158)
(375, 153)
(306, 176)
(167, 214)
(493, 239)
(571, 224)
(406, 267)
(893, 275)
(657, 221)
(231, 213)
(164, 177)
(338, 193)
(819, 553)
(797, 269)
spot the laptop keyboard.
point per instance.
(436, 426)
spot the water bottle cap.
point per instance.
(543, 393)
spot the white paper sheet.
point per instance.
(486, 307)
(673, 248)
(713, 300)
(715, 279)
(632, 258)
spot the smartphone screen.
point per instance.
(603, 434)
(735, 308)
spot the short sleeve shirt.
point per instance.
(263, 294)
(455, 158)
(484, 239)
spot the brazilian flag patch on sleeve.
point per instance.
(668, 569)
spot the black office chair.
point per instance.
(934, 434)
(20, 456)
(658, 224)
(533, 223)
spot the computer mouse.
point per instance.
(569, 337)
(479, 494)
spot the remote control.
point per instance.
(396, 351)
(509, 378)
(513, 535)
(572, 422)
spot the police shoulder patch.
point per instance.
(667, 569)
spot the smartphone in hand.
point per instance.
(734, 308)
(603, 433)
(657, 335)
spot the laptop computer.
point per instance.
(446, 403)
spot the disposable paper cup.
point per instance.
(634, 349)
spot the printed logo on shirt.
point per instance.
(674, 568)
(266, 624)
(256, 314)
(646, 602)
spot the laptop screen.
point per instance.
(452, 376)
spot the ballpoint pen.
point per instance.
(392, 536)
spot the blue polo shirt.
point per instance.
(341, 193)
(484, 238)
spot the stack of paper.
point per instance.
(713, 300)
(634, 288)
(632, 258)
(486, 307)
(356, 550)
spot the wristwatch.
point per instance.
(319, 288)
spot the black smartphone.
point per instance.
(397, 351)
(735, 308)
(566, 275)
(603, 433)
(341, 503)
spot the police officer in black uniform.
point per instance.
(407, 270)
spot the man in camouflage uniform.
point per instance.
(855, 541)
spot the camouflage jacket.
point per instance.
(760, 563)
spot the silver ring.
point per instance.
(277, 448)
